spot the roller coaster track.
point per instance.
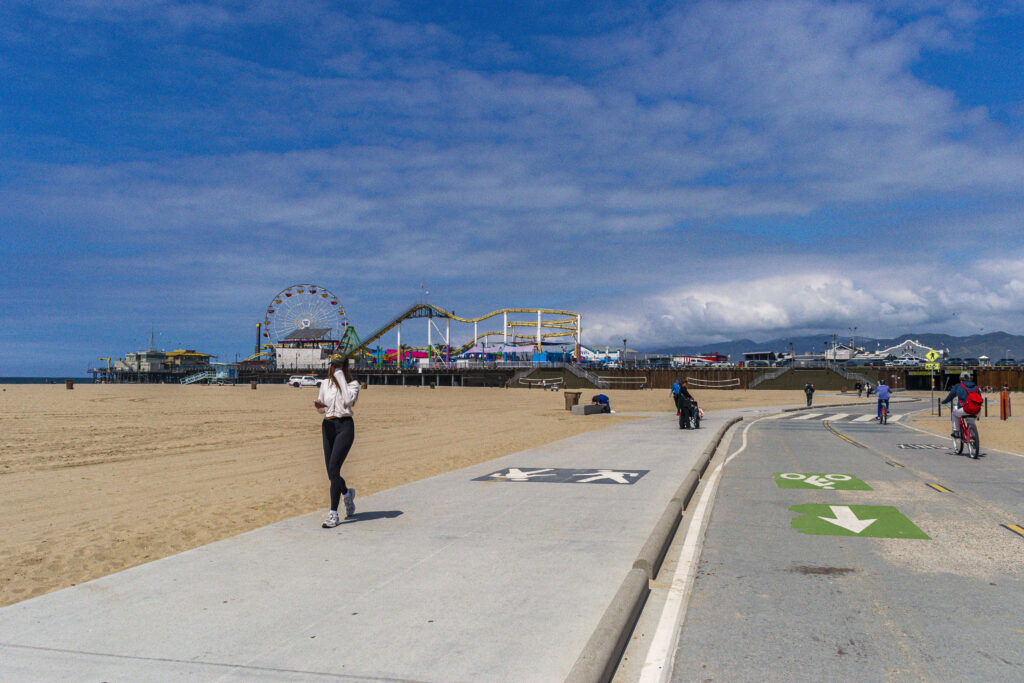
(431, 311)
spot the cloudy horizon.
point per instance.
(677, 172)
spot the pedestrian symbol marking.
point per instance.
(874, 521)
(820, 481)
(556, 475)
(932, 355)
(611, 475)
(516, 474)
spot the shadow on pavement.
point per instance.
(375, 514)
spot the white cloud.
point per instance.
(787, 145)
(985, 294)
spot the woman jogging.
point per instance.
(338, 393)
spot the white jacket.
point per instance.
(338, 403)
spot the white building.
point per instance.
(841, 352)
(908, 349)
(595, 355)
(307, 348)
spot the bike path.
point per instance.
(898, 581)
(460, 577)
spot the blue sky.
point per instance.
(678, 172)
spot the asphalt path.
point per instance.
(897, 567)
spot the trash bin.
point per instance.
(572, 398)
(69, 384)
(253, 385)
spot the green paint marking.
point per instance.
(874, 521)
(820, 481)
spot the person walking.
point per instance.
(676, 386)
(809, 391)
(338, 393)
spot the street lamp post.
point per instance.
(623, 352)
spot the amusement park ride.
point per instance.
(306, 317)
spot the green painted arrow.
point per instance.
(874, 521)
(820, 481)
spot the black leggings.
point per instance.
(338, 436)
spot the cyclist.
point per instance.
(883, 397)
(959, 391)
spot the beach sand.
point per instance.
(105, 477)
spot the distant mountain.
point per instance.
(995, 345)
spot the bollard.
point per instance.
(252, 384)
(939, 401)
(69, 384)
(986, 406)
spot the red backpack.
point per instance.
(972, 404)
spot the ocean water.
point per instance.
(44, 380)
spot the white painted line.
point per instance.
(864, 418)
(658, 666)
(896, 418)
(837, 417)
(808, 416)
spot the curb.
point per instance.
(601, 655)
(653, 551)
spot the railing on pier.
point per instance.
(199, 377)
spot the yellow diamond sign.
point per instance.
(932, 355)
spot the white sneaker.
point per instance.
(350, 502)
(331, 520)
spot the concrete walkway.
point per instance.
(452, 578)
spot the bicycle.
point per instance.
(968, 426)
(883, 413)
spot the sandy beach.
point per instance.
(106, 477)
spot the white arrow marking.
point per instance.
(815, 480)
(516, 474)
(845, 518)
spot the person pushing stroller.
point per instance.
(689, 412)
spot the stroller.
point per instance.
(689, 415)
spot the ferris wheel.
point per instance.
(304, 313)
